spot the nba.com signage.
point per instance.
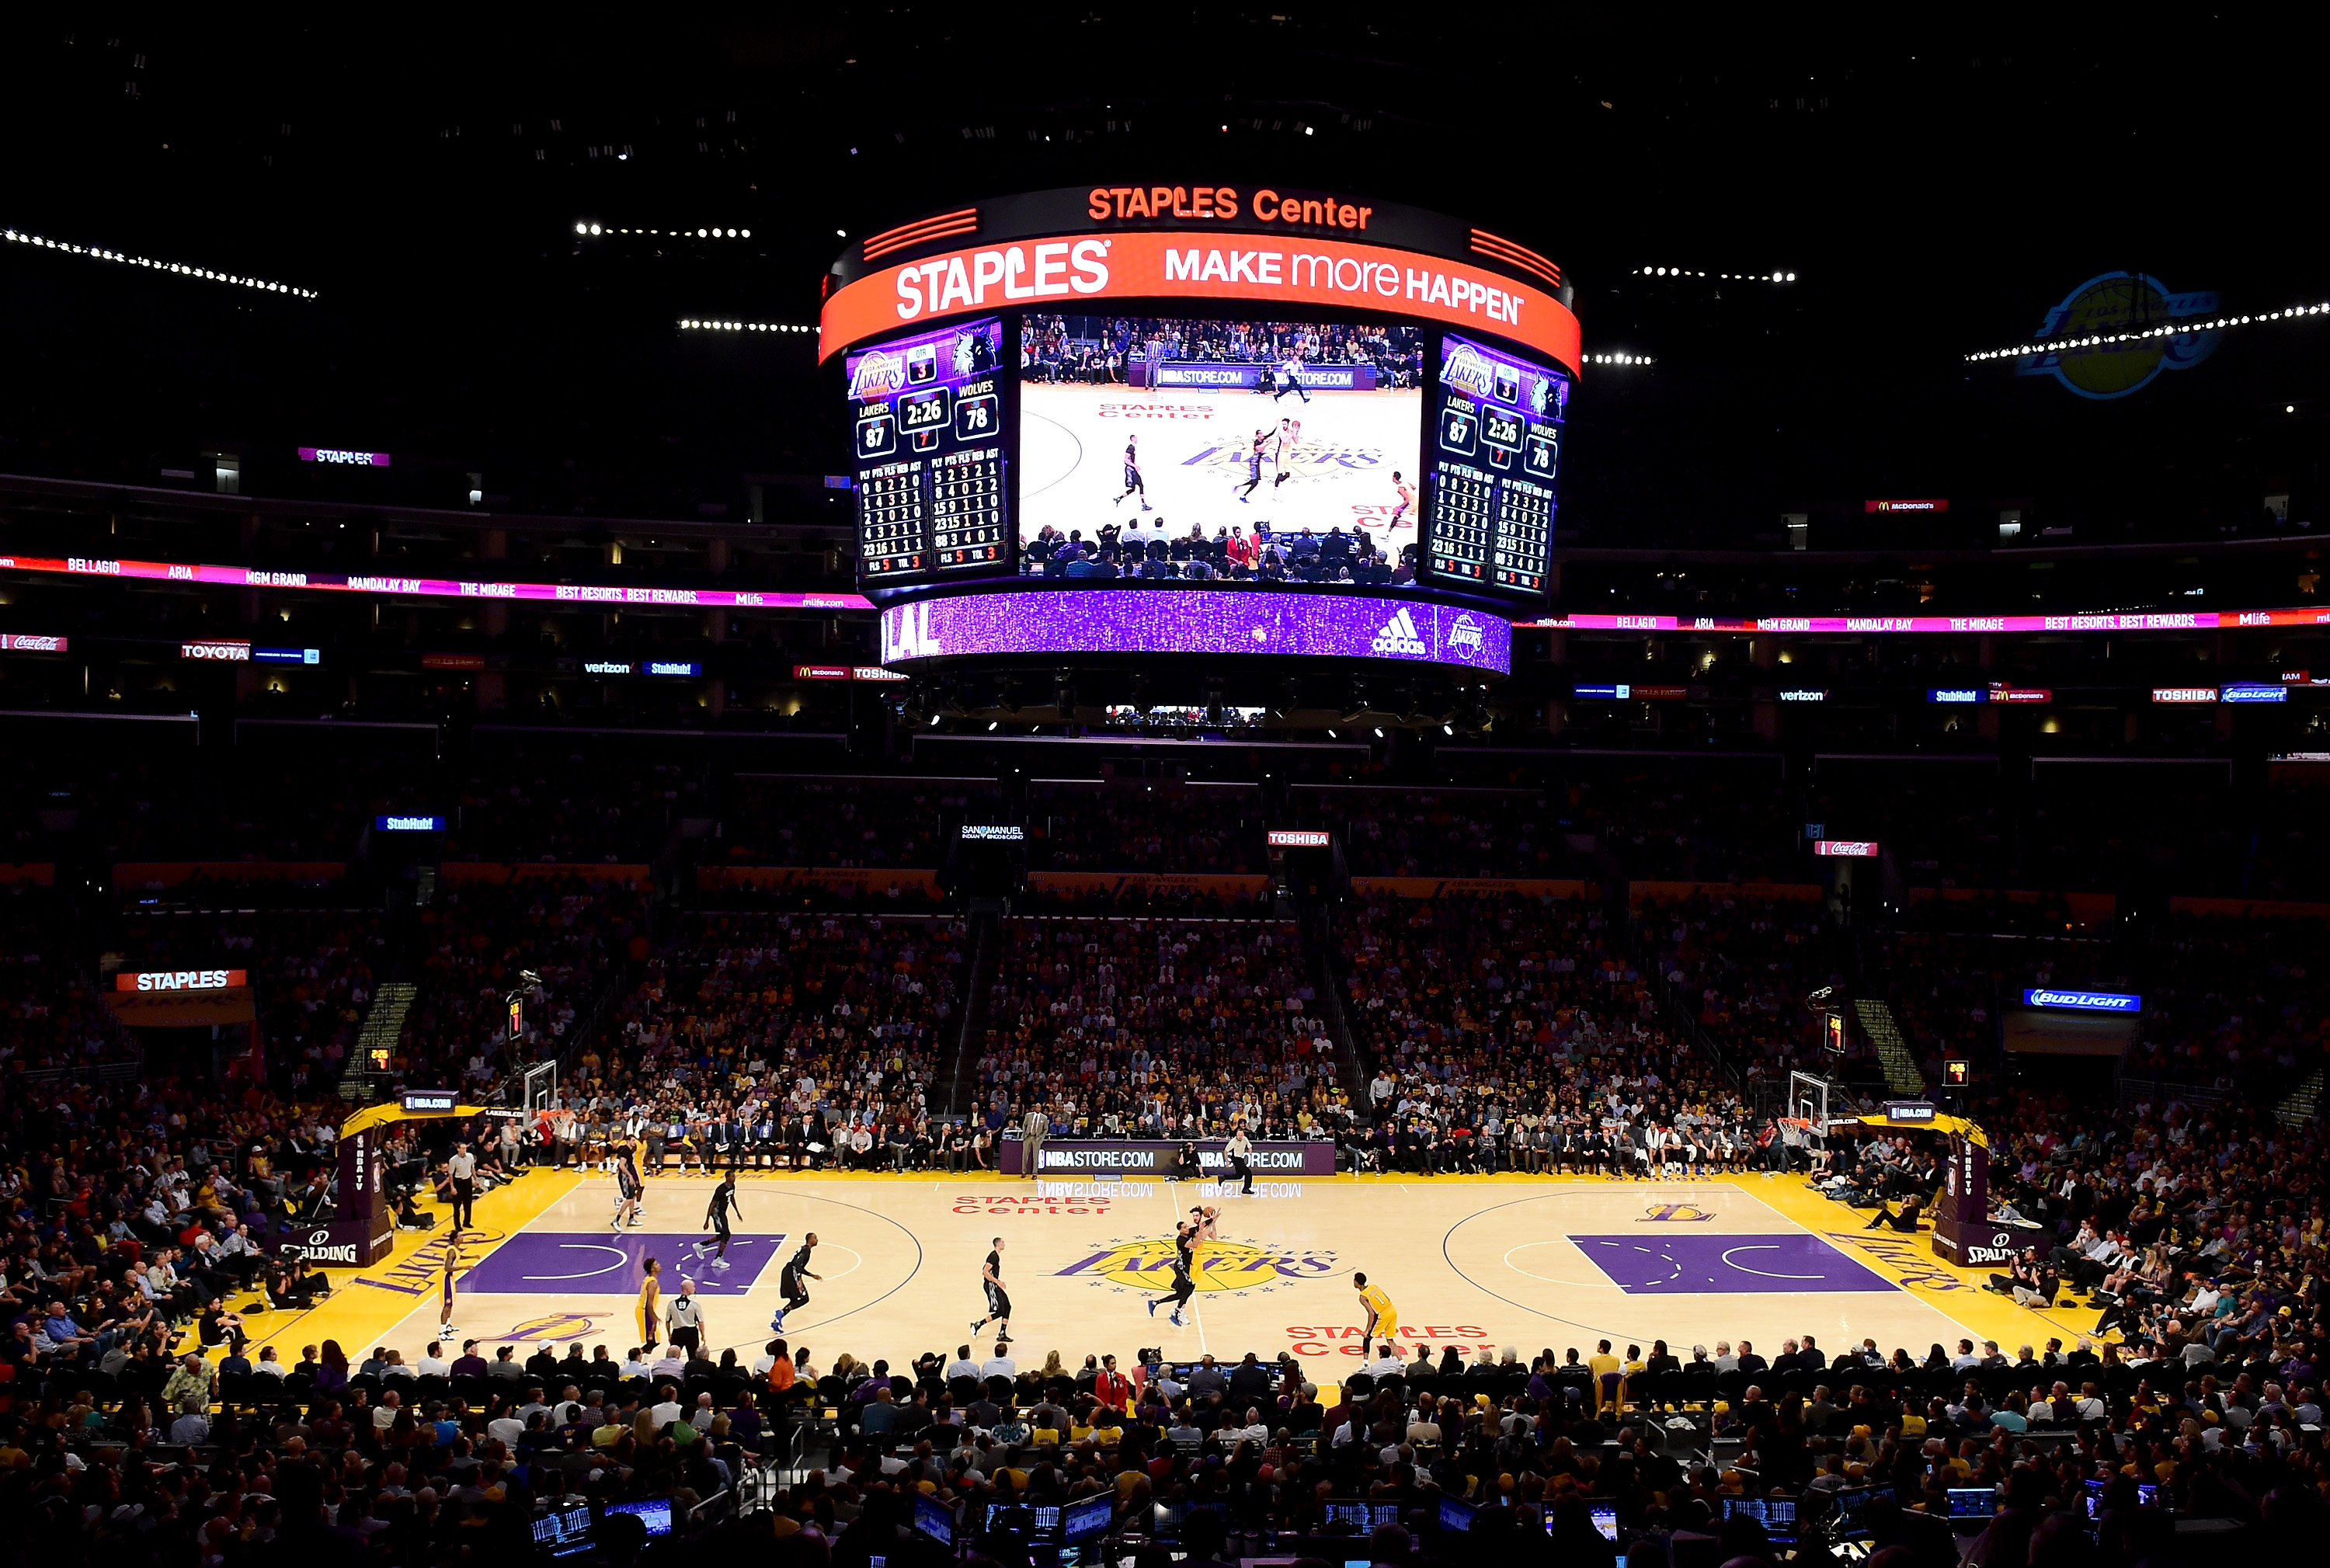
(1144, 1157)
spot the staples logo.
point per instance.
(1398, 637)
(178, 979)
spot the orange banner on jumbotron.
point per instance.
(39, 873)
(1469, 887)
(2251, 908)
(1116, 882)
(459, 873)
(1058, 274)
(132, 875)
(1802, 892)
(849, 878)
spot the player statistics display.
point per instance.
(927, 419)
(1191, 449)
(1496, 452)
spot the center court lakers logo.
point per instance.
(559, 1326)
(1675, 1214)
(1145, 1263)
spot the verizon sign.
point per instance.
(181, 980)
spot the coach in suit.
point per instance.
(1032, 1132)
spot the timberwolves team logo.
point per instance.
(1146, 1264)
(1675, 1214)
(2135, 308)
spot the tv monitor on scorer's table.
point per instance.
(1777, 1514)
(655, 1514)
(1360, 1516)
(1496, 453)
(564, 1532)
(1456, 1513)
(1255, 434)
(1852, 1506)
(927, 431)
(1089, 1519)
(934, 1519)
(1973, 1502)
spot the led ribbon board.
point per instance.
(1196, 620)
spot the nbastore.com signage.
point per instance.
(1140, 1158)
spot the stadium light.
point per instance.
(2179, 329)
(100, 253)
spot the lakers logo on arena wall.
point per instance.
(1682, 1214)
(1146, 1263)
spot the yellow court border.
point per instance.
(366, 1304)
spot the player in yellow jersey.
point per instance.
(650, 1306)
(1383, 1317)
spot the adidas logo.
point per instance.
(1399, 636)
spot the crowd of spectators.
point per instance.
(819, 820)
(780, 1031)
(1140, 1028)
(1143, 827)
(557, 942)
(1514, 1035)
(1467, 833)
(570, 807)
(53, 1015)
(1742, 967)
(1156, 552)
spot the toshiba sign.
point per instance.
(1133, 265)
(180, 979)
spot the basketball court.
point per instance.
(1193, 445)
(1480, 1262)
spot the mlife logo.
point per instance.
(1398, 637)
(1466, 634)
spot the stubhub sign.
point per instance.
(2083, 1001)
(408, 824)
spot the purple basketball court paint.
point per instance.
(605, 1263)
(1702, 1265)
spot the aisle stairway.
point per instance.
(1901, 1074)
(2298, 1106)
(382, 1025)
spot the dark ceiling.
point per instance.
(1933, 195)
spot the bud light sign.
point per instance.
(2083, 1001)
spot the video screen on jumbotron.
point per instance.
(927, 421)
(1495, 455)
(1171, 449)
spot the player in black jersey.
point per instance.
(1184, 1282)
(724, 1203)
(790, 1282)
(1132, 483)
(1261, 438)
(999, 1301)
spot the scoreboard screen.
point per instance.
(1493, 454)
(927, 433)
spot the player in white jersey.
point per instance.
(1290, 436)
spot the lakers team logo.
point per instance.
(1675, 1214)
(1145, 1263)
(554, 1325)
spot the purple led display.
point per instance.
(1184, 620)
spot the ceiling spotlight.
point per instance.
(581, 227)
(747, 234)
(841, 233)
